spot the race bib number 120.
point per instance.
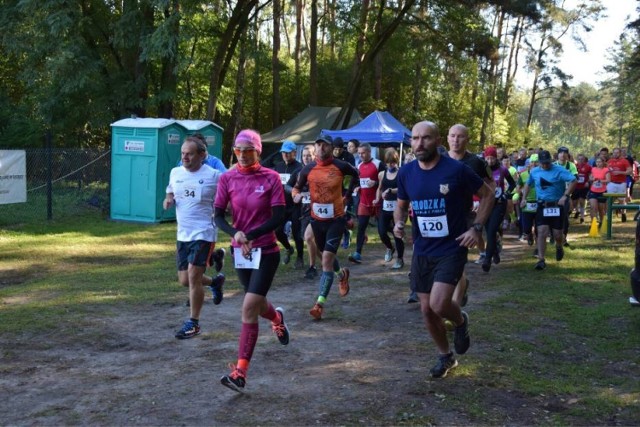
(433, 226)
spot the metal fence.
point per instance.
(62, 183)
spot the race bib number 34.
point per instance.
(433, 226)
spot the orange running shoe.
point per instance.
(344, 282)
(316, 311)
(236, 380)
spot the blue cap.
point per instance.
(288, 146)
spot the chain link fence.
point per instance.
(62, 183)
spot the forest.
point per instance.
(72, 67)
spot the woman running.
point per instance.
(388, 194)
(257, 201)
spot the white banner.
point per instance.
(13, 176)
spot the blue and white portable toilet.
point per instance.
(212, 134)
(143, 152)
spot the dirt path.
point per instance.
(366, 363)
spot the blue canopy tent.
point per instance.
(379, 127)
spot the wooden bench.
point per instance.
(611, 206)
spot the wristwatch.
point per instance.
(478, 227)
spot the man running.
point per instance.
(192, 188)
(439, 191)
(324, 177)
(550, 181)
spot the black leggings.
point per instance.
(385, 226)
(494, 224)
(258, 281)
(296, 232)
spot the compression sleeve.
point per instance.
(222, 223)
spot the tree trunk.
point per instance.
(169, 79)
(297, 48)
(313, 55)
(275, 65)
(226, 49)
(238, 102)
(366, 63)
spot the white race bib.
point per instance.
(531, 207)
(550, 212)
(188, 192)
(251, 262)
(366, 183)
(284, 178)
(498, 192)
(433, 226)
(580, 179)
(389, 205)
(306, 198)
(597, 184)
(323, 210)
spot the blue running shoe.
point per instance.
(216, 288)
(189, 330)
(355, 257)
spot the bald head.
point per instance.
(425, 139)
(457, 138)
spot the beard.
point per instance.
(427, 154)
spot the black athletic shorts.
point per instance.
(425, 270)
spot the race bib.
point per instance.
(531, 207)
(306, 198)
(433, 226)
(389, 205)
(323, 210)
(597, 184)
(251, 261)
(580, 179)
(550, 212)
(284, 178)
(191, 193)
(366, 183)
(498, 192)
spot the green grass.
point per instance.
(566, 336)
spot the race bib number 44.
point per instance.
(323, 210)
(433, 226)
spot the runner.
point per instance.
(598, 178)
(564, 160)
(388, 194)
(439, 190)
(288, 171)
(619, 168)
(531, 202)
(256, 197)
(369, 171)
(579, 195)
(308, 154)
(504, 186)
(192, 188)
(324, 177)
(550, 182)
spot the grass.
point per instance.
(566, 337)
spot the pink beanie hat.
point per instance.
(252, 137)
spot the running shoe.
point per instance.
(530, 239)
(445, 363)
(388, 255)
(236, 380)
(486, 265)
(280, 329)
(480, 259)
(311, 273)
(189, 330)
(287, 255)
(316, 311)
(216, 260)
(398, 264)
(355, 257)
(496, 258)
(343, 287)
(346, 239)
(576, 215)
(461, 340)
(299, 263)
(559, 253)
(413, 298)
(540, 265)
(216, 288)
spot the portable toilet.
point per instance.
(143, 152)
(212, 134)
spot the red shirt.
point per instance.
(584, 170)
(369, 181)
(619, 164)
